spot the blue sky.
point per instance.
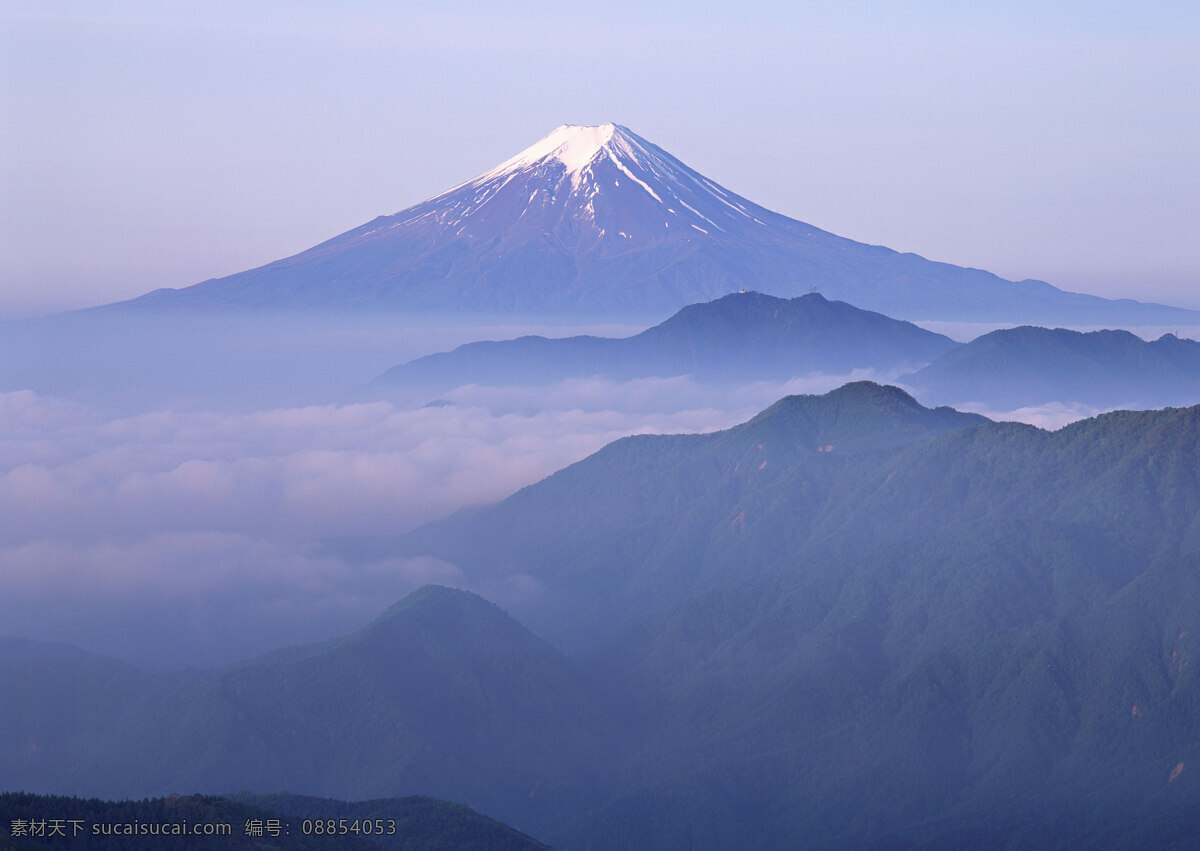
(144, 145)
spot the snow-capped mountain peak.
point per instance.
(576, 149)
(602, 180)
(594, 220)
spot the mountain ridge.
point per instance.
(996, 602)
(448, 682)
(641, 481)
(975, 633)
(738, 337)
(1031, 365)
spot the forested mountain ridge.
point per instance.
(982, 628)
(851, 619)
(597, 520)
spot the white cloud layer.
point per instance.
(1050, 416)
(180, 537)
(194, 537)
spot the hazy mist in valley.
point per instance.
(166, 484)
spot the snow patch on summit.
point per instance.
(584, 172)
(573, 145)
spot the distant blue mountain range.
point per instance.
(755, 337)
(741, 337)
(1028, 366)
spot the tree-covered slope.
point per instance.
(852, 621)
(649, 519)
(982, 637)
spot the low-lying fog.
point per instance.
(165, 486)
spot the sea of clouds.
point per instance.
(178, 537)
(173, 528)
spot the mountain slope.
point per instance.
(983, 636)
(597, 221)
(589, 533)
(741, 337)
(861, 470)
(443, 695)
(62, 703)
(1029, 366)
(852, 619)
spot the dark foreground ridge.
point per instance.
(248, 823)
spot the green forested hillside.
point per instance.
(850, 622)
(649, 519)
(950, 634)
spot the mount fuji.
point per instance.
(595, 221)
